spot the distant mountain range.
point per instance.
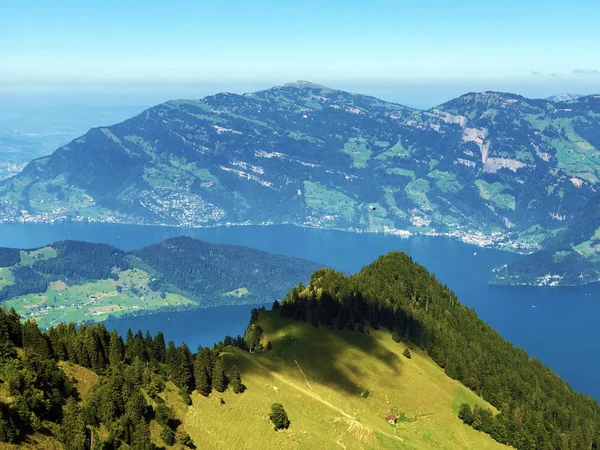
(563, 97)
(489, 168)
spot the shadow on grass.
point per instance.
(321, 355)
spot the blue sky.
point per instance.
(418, 51)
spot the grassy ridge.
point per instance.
(320, 376)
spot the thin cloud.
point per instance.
(535, 73)
(586, 72)
(553, 74)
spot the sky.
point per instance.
(419, 53)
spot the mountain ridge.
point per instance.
(81, 281)
(471, 168)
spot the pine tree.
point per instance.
(159, 347)
(34, 341)
(56, 343)
(180, 367)
(235, 380)
(184, 439)
(186, 368)
(72, 432)
(11, 322)
(466, 414)
(201, 376)
(8, 351)
(140, 437)
(137, 348)
(95, 349)
(167, 435)
(112, 404)
(170, 355)
(163, 414)
(129, 338)
(219, 380)
(8, 431)
(279, 417)
(149, 346)
(116, 349)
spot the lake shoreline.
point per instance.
(535, 318)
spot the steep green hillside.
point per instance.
(338, 389)
(536, 408)
(72, 281)
(340, 356)
(490, 168)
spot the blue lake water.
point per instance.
(556, 325)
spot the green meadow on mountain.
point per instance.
(385, 358)
(490, 168)
(71, 281)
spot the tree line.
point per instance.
(130, 369)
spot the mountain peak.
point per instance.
(491, 99)
(303, 84)
(563, 97)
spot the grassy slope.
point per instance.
(319, 375)
(94, 301)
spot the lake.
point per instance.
(554, 324)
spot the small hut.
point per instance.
(392, 419)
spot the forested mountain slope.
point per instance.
(80, 281)
(537, 409)
(341, 355)
(337, 388)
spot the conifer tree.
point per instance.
(163, 414)
(180, 367)
(149, 346)
(137, 348)
(204, 362)
(72, 432)
(8, 431)
(466, 414)
(7, 347)
(235, 380)
(167, 435)
(129, 338)
(201, 377)
(116, 349)
(219, 380)
(279, 417)
(184, 439)
(140, 436)
(159, 347)
(34, 341)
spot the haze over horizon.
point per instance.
(416, 54)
